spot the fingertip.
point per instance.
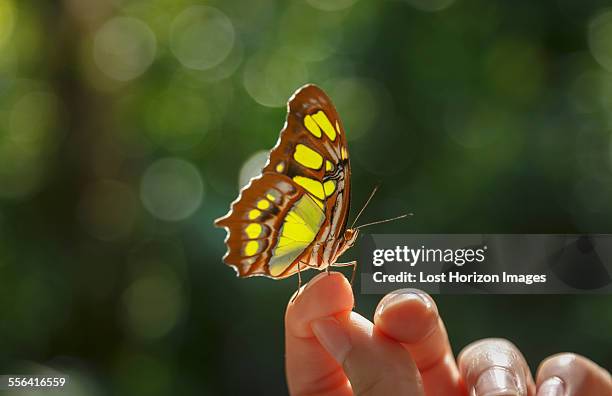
(575, 373)
(326, 294)
(495, 366)
(407, 315)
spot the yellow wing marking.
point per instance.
(273, 196)
(251, 248)
(312, 126)
(307, 157)
(298, 230)
(328, 166)
(324, 124)
(312, 186)
(280, 167)
(253, 230)
(338, 127)
(263, 204)
(253, 214)
(329, 187)
(344, 153)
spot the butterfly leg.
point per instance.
(349, 264)
(299, 281)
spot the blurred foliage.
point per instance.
(126, 127)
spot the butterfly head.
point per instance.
(350, 236)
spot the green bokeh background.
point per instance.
(128, 126)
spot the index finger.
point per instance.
(310, 368)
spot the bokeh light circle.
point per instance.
(225, 69)
(589, 91)
(270, 78)
(201, 37)
(124, 48)
(252, 167)
(171, 189)
(31, 134)
(600, 39)
(7, 20)
(358, 102)
(153, 304)
(309, 34)
(34, 120)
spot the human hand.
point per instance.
(332, 351)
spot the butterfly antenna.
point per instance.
(384, 221)
(366, 204)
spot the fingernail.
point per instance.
(553, 386)
(496, 381)
(333, 337)
(402, 296)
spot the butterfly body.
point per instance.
(294, 215)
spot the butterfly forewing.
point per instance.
(309, 169)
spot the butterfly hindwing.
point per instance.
(283, 218)
(269, 226)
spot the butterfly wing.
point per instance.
(296, 211)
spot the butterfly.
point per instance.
(294, 215)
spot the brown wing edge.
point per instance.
(256, 265)
(223, 222)
(304, 101)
